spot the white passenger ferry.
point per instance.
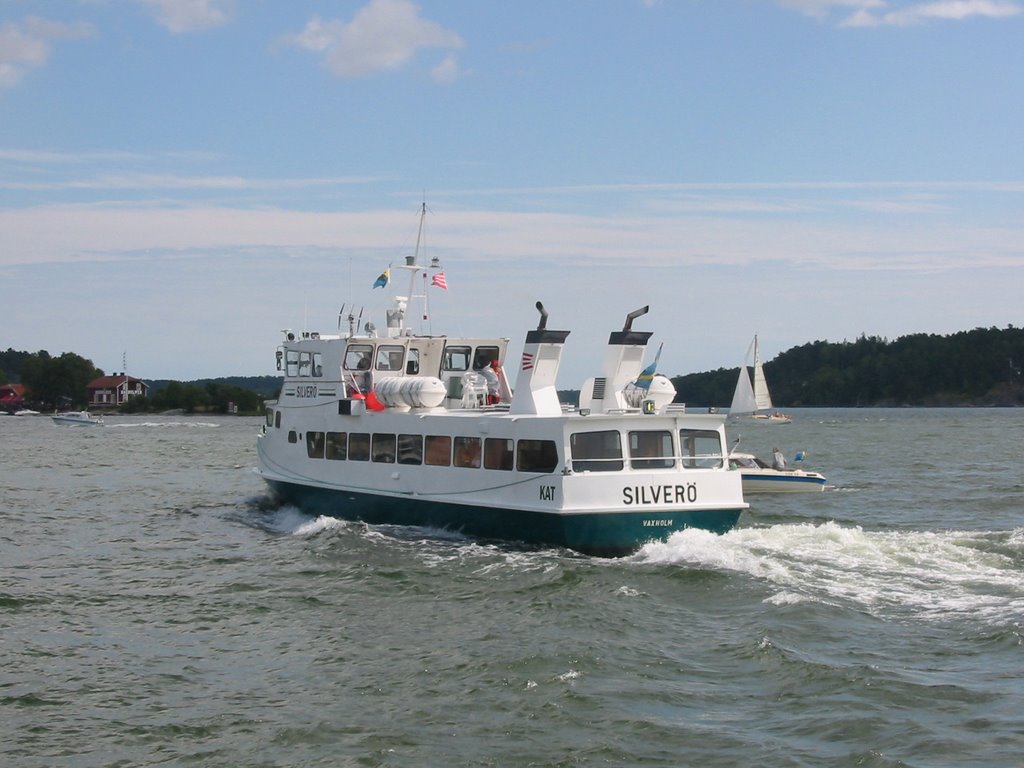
(424, 430)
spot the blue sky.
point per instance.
(182, 179)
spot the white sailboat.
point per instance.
(754, 401)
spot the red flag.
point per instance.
(440, 281)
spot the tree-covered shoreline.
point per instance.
(981, 367)
(56, 382)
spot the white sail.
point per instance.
(743, 397)
(762, 399)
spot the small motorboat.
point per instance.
(761, 477)
(77, 418)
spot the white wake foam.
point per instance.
(934, 574)
(290, 520)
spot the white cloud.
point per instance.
(447, 71)
(909, 271)
(190, 15)
(822, 8)
(383, 35)
(876, 13)
(38, 158)
(154, 182)
(948, 10)
(27, 45)
(910, 236)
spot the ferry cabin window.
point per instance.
(410, 449)
(651, 449)
(305, 363)
(536, 456)
(270, 417)
(383, 448)
(337, 444)
(467, 452)
(291, 359)
(277, 419)
(357, 357)
(389, 358)
(498, 453)
(456, 358)
(483, 356)
(596, 451)
(438, 450)
(359, 446)
(701, 448)
(412, 364)
(293, 436)
(315, 445)
(318, 364)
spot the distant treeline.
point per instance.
(51, 381)
(231, 394)
(979, 367)
(267, 386)
(62, 381)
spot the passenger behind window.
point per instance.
(467, 452)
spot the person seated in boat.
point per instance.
(483, 357)
(778, 460)
(486, 368)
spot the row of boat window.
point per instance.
(301, 363)
(600, 451)
(386, 357)
(434, 450)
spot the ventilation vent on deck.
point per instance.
(598, 388)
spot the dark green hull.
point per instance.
(605, 534)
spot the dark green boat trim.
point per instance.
(604, 534)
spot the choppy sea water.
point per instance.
(156, 607)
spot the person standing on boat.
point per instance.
(778, 460)
(490, 375)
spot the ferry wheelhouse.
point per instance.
(425, 430)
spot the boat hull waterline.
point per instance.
(602, 534)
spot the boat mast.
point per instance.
(415, 268)
(396, 316)
(413, 264)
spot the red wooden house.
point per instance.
(12, 397)
(112, 391)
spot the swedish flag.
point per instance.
(646, 376)
(383, 280)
